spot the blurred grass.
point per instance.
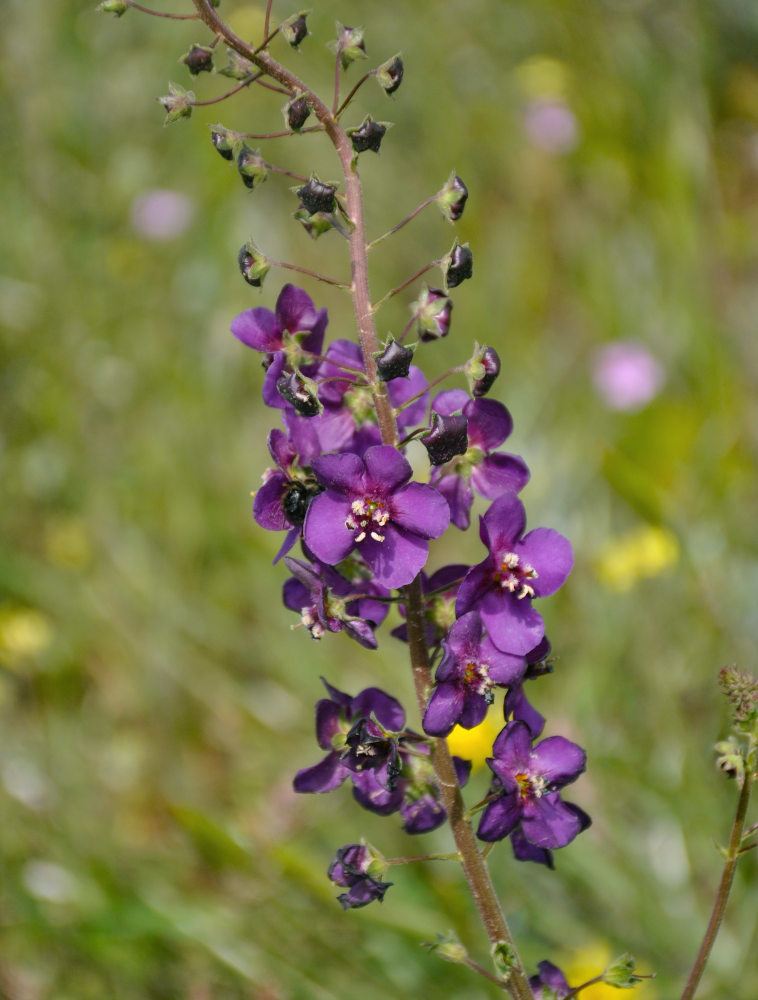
(154, 702)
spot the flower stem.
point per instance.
(722, 895)
(404, 284)
(311, 274)
(230, 93)
(352, 94)
(160, 13)
(404, 222)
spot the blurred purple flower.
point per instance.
(551, 125)
(626, 375)
(162, 214)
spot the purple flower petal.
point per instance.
(548, 822)
(324, 530)
(386, 469)
(258, 328)
(398, 559)
(504, 522)
(551, 555)
(322, 777)
(499, 473)
(559, 760)
(443, 710)
(499, 818)
(341, 473)
(490, 423)
(513, 625)
(419, 508)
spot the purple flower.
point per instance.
(551, 977)
(356, 868)
(466, 677)
(327, 602)
(370, 505)
(529, 781)
(336, 717)
(478, 468)
(626, 375)
(516, 569)
(296, 326)
(281, 502)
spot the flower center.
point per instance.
(531, 786)
(511, 574)
(476, 676)
(367, 515)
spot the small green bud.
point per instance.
(224, 140)
(177, 103)
(741, 689)
(620, 973)
(117, 7)
(349, 45)
(199, 59)
(504, 959)
(254, 265)
(294, 29)
(238, 68)
(251, 166)
(390, 74)
(448, 947)
(731, 759)
(452, 198)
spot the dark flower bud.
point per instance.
(452, 198)
(458, 265)
(432, 310)
(300, 393)
(296, 113)
(117, 7)
(350, 44)
(447, 438)
(223, 140)
(254, 265)
(177, 103)
(199, 59)
(239, 68)
(317, 197)
(482, 370)
(251, 166)
(390, 74)
(394, 361)
(368, 135)
(295, 503)
(294, 29)
(358, 868)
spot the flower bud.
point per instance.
(458, 265)
(447, 438)
(296, 113)
(482, 370)
(223, 140)
(448, 947)
(254, 265)
(177, 103)
(317, 197)
(452, 198)
(294, 29)
(731, 759)
(300, 392)
(368, 135)
(394, 361)
(314, 225)
(199, 59)
(252, 167)
(390, 74)
(117, 7)
(620, 973)
(432, 311)
(350, 44)
(239, 68)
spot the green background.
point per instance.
(154, 703)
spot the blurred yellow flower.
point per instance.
(638, 555)
(24, 632)
(590, 962)
(543, 76)
(476, 744)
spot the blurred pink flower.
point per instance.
(551, 125)
(162, 214)
(626, 375)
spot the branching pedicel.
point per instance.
(341, 485)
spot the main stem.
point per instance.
(719, 906)
(474, 866)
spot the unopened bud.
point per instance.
(296, 113)
(177, 103)
(199, 59)
(394, 361)
(350, 44)
(254, 265)
(223, 140)
(117, 7)
(251, 166)
(458, 265)
(239, 68)
(452, 198)
(448, 947)
(620, 973)
(432, 310)
(447, 438)
(317, 197)
(294, 29)
(300, 392)
(390, 74)
(314, 225)
(368, 135)
(482, 370)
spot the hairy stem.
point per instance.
(719, 906)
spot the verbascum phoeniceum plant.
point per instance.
(359, 522)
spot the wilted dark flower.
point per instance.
(390, 74)
(317, 197)
(458, 265)
(368, 135)
(357, 868)
(300, 392)
(394, 361)
(199, 59)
